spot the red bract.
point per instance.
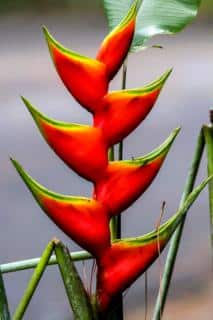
(84, 220)
(74, 143)
(84, 77)
(125, 181)
(116, 45)
(120, 112)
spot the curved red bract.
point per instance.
(124, 183)
(121, 112)
(77, 147)
(115, 47)
(85, 79)
(86, 222)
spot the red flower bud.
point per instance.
(82, 219)
(125, 181)
(120, 112)
(81, 147)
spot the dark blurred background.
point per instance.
(26, 69)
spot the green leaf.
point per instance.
(34, 281)
(4, 309)
(77, 295)
(154, 17)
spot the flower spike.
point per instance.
(122, 111)
(127, 259)
(83, 219)
(126, 180)
(85, 78)
(116, 45)
(75, 144)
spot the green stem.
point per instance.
(208, 133)
(78, 298)
(34, 281)
(4, 309)
(175, 241)
(32, 263)
(113, 222)
(124, 76)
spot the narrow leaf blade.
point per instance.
(4, 308)
(76, 292)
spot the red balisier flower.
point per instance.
(85, 149)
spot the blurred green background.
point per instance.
(12, 5)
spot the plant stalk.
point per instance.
(4, 309)
(117, 313)
(34, 281)
(32, 263)
(208, 134)
(176, 238)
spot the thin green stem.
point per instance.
(123, 86)
(208, 133)
(34, 281)
(175, 241)
(32, 263)
(77, 296)
(113, 222)
(4, 309)
(111, 155)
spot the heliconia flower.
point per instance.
(116, 45)
(122, 111)
(83, 219)
(88, 79)
(126, 180)
(81, 147)
(127, 259)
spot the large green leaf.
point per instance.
(154, 16)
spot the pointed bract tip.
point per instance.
(50, 40)
(161, 150)
(166, 75)
(32, 110)
(131, 14)
(46, 32)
